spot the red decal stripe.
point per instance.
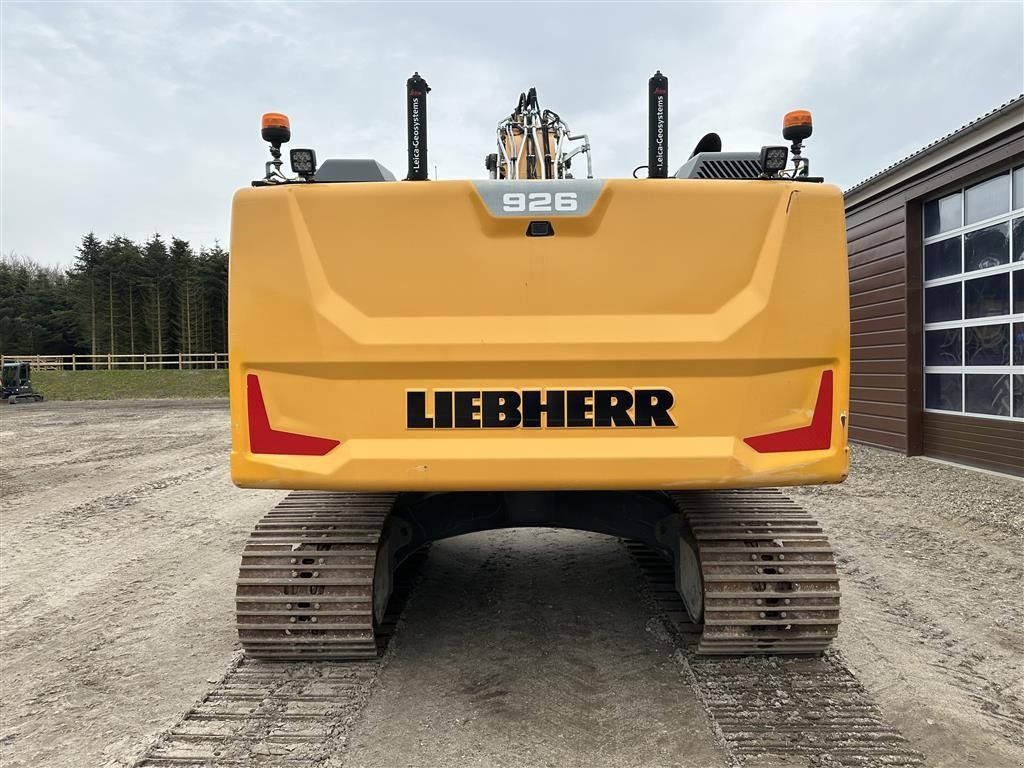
(265, 439)
(815, 437)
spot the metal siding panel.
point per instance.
(877, 423)
(879, 219)
(915, 338)
(888, 252)
(990, 443)
(878, 325)
(958, 455)
(877, 395)
(870, 212)
(876, 437)
(878, 296)
(879, 380)
(885, 309)
(881, 352)
(878, 338)
(872, 324)
(897, 276)
(872, 408)
(979, 442)
(881, 366)
(889, 234)
(969, 425)
(876, 268)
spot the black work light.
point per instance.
(303, 162)
(773, 160)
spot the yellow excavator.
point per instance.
(648, 358)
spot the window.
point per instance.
(974, 299)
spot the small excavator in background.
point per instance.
(16, 383)
(647, 358)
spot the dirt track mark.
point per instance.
(529, 648)
(275, 715)
(776, 710)
(115, 597)
(930, 564)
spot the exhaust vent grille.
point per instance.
(729, 169)
(721, 165)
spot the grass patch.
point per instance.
(126, 384)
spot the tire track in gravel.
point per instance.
(776, 710)
(930, 564)
(281, 715)
(527, 648)
(117, 573)
(80, 537)
(957, 659)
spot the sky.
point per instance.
(132, 118)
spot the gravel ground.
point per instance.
(532, 648)
(120, 537)
(931, 566)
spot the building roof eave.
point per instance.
(974, 133)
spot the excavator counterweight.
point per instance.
(649, 358)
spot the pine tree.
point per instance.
(155, 272)
(37, 310)
(117, 297)
(83, 276)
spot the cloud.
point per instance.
(137, 117)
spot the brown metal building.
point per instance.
(936, 249)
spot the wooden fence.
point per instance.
(180, 361)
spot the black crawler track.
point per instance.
(769, 575)
(305, 586)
